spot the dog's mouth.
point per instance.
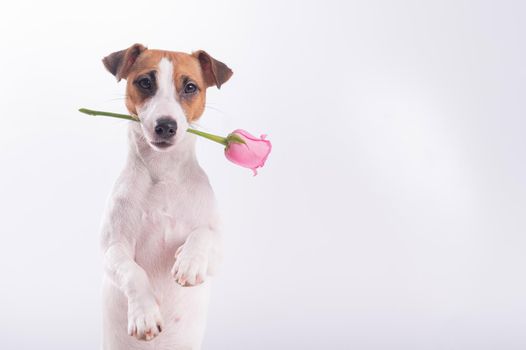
(161, 144)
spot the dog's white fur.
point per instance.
(160, 235)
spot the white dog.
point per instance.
(160, 236)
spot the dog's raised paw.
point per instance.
(144, 320)
(190, 268)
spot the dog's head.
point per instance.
(165, 89)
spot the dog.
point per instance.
(160, 235)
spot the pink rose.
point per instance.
(247, 150)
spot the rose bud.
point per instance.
(247, 150)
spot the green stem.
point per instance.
(215, 138)
(109, 114)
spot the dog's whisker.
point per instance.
(214, 108)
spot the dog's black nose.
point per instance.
(166, 128)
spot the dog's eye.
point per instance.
(145, 83)
(190, 88)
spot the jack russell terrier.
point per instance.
(160, 236)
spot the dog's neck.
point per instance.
(174, 165)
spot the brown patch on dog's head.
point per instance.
(145, 67)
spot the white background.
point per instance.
(390, 214)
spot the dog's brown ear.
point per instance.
(120, 62)
(214, 72)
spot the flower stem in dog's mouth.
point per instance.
(109, 114)
(212, 137)
(215, 138)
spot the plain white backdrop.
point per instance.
(390, 215)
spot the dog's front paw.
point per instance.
(144, 319)
(190, 267)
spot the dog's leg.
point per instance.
(198, 257)
(144, 318)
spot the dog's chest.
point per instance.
(167, 218)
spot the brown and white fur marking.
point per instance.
(160, 236)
